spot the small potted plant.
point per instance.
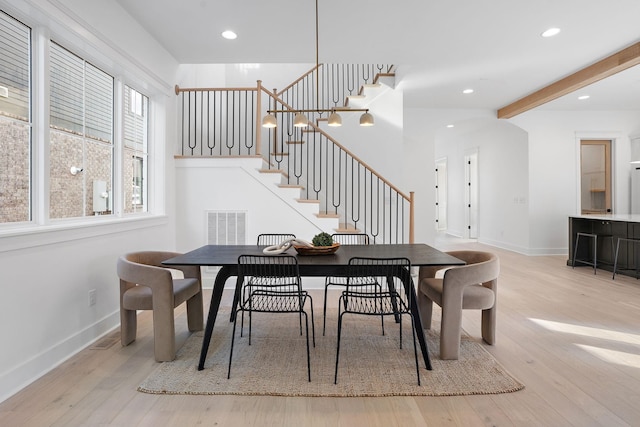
(322, 239)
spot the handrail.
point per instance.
(299, 79)
(179, 89)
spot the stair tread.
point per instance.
(347, 227)
(308, 201)
(381, 75)
(346, 230)
(327, 215)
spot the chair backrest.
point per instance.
(146, 266)
(481, 267)
(270, 271)
(375, 278)
(351, 238)
(154, 258)
(273, 239)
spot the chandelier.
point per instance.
(300, 119)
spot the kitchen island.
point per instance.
(608, 228)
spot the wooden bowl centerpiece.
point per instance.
(316, 250)
(323, 244)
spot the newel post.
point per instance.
(411, 218)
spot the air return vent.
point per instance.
(226, 227)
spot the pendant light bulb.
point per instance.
(366, 119)
(335, 119)
(269, 121)
(300, 120)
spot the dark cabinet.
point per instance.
(608, 232)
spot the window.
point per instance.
(81, 144)
(80, 135)
(15, 120)
(136, 113)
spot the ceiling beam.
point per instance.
(619, 61)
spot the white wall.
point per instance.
(48, 270)
(502, 180)
(421, 129)
(44, 315)
(554, 168)
(379, 146)
(551, 163)
(273, 76)
(235, 185)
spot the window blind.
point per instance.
(15, 66)
(81, 96)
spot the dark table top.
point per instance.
(227, 255)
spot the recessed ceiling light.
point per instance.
(449, 126)
(581, 97)
(229, 35)
(467, 91)
(551, 32)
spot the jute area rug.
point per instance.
(370, 364)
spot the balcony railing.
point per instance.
(226, 122)
(219, 121)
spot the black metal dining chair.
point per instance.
(269, 239)
(264, 239)
(343, 239)
(271, 284)
(384, 296)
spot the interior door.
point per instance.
(471, 193)
(441, 194)
(595, 176)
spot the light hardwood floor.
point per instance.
(572, 337)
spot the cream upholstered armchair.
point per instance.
(470, 286)
(145, 284)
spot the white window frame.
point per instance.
(41, 230)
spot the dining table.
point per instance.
(335, 264)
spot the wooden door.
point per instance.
(595, 176)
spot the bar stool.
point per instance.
(594, 261)
(615, 259)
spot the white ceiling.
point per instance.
(440, 47)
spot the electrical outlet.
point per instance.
(92, 297)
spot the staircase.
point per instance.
(321, 177)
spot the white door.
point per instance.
(441, 194)
(471, 193)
